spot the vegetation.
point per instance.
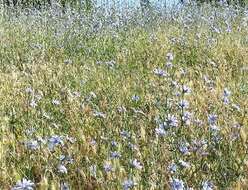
(116, 100)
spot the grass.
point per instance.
(76, 77)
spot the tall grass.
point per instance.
(121, 100)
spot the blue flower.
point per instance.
(186, 117)
(186, 90)
(114, 143)
(23, 184)
(172, 120)
(136, 164)
(128, 184)
(226, 100)
(107, 167)
(125, 134)
(54, 140)
(177, 184)
(160, 131)
(184, 104)
(115, 154)
(160, 72)
(183, 148)
(212, 118)
(172, 168)
(169, 64)
(135, 98)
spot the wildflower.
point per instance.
(212, 118)
(198, 122)
(91, 96)
(55, 102)
(184, 164)
(183, 72)
(115, 155)
(121, 109)
(66, 159)
(235, 106)
(46, 115)
(172, 168)
(226, 92)
(33, 103)
(93, 142)
(93, 170)
(41, 140)
(67, 61)
(70, 139)
(169, 64)
(226, 95)
(226, 100)
(183, 148)
(160, 72)
(30, 131)
(114, 143)
(53, 141)
(128, 184)
(23, 184)
(64, 186)
(184, 104)
(125, 134)
(75, 94)
(160, 131)
(136, 164)
(107, 167)
(214, 128)
(32, 145)
(177, 184)
(169, 56)
(135, 98)
(186, 90)
(174, 84)
(186, 117)
(99, 114)
(138, 111)
(172, 120)
(132, 146)
(110, 64)
(62, 169)
(29, 90)
(206, 185)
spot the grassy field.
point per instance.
(109, 100)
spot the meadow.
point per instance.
(114, 99)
